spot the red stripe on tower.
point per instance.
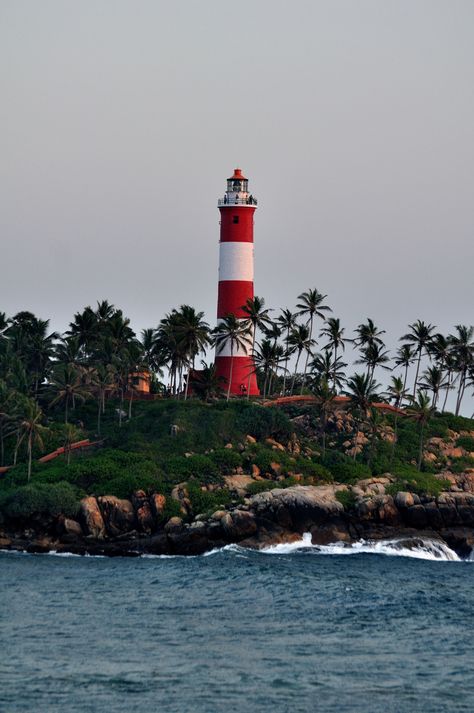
(236, 277)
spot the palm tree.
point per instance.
(334, 332)
(396, 393)
(267, 357)
(257, 317)
(421, 410)
(84, 327)
(192, 335)
(325, 396)
(433, 380)
(463, 351)
(31, 429)
(311, 305)
(300, 340)
(420, 336)
(362, 391)
(68, 386)
(325, 366)
(368, 334)
(373, 355)
(234, 333)
(287, 321)
(405, 357)
(8, 400)
(102, 380)
(207, 383)
(71, 435)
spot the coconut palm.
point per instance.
(324, 365)
(31, 429)
(373, 355)
(325, 396)
(334, 332)
(311, 305)
(286, 321)
(268, 357)
(421, 410)
(192, 335)
(405, 357)
(257, 317)
(463, 351)
(67, 385)
(102, 381)
(207, 384)
(420, 336)
(300, 341)
(362, 390)
(396, 393)
(433, 380)
(234, 333)
(368, 334)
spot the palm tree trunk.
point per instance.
(448, 388)
(286, 360)
(231, 369)
(334, 370)
(254, 334)
(66, 414)
(417, 371)
(307, 354)
(30, 449)
(462, 386)
(296, 371)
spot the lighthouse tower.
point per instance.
(236, 277)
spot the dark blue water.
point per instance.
(236, 631)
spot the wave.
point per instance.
(416, 547)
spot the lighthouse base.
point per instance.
(241, 369)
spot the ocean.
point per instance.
(370, 629)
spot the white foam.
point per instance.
(417, 548)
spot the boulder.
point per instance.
(143, 511)
(158, 503)
(298, 507)
(274, 444)
(329, 533)
(91, 518)
(404, 499)
(174, 524)
(189, 540)
(118, 514)
(238, 525)
(70, 527)
(238, 483)
(250, 439)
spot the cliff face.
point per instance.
(370, 509)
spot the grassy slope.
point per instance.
(144, 454)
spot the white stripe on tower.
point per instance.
(236, 262)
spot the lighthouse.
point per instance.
(236, 278)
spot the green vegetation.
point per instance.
(346, 498)
(57, 389)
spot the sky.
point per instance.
(354, 121)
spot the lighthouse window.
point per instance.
(235, 218)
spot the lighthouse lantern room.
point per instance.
(237, 209)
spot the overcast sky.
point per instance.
(354, 120)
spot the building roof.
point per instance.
(237, 175)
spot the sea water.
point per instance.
(295, 628)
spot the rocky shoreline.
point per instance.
(111, 526)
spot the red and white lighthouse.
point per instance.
(236, 277)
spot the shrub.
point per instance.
(346, 498)
(263, 422)
(39, 499)
(261, 486)
(179, 468)
(466, 442)
(207, 502)
(315, 470)
(226, 459)
(125, 484)
(408, 478)
(350, 472)
(459, 465)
